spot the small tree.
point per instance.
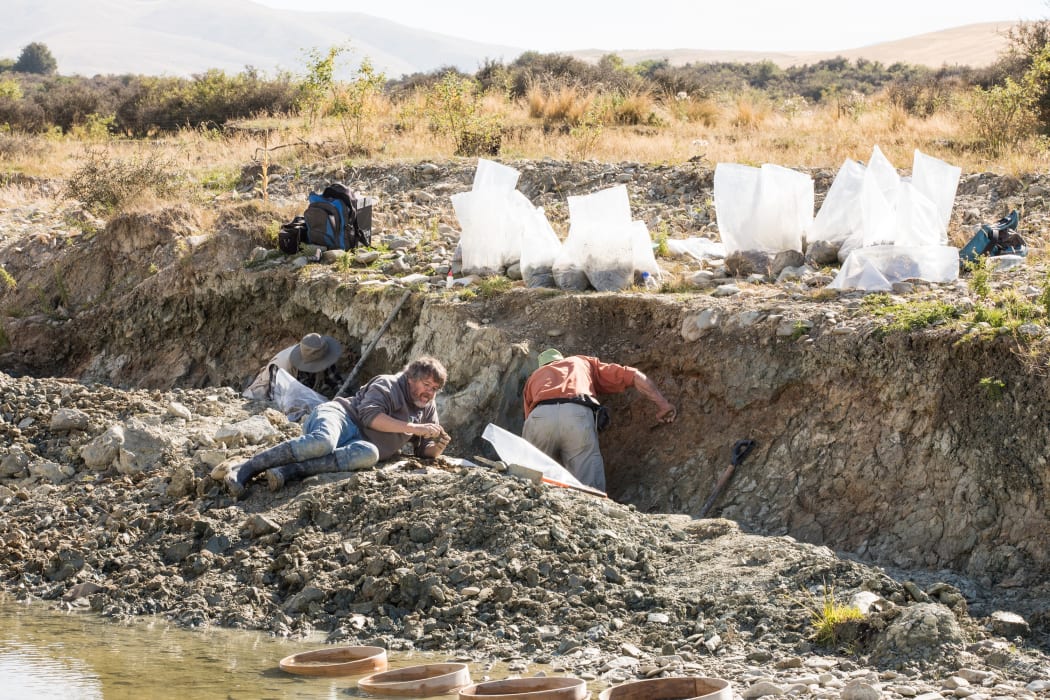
(36, 58)
(354, 101)
(453, 107)
(316, 86)
(1001, 116)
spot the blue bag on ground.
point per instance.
(332, 219)
(1000, 238)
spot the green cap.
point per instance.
(548, 356)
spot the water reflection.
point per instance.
(77, 656)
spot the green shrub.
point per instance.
(106, 184)
(993, 388)
(980, 277)
(7, 282)
(911, 316)
(1000, 117)
(491, 286)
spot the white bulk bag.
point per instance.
(839, 215)
(600, 240)
(540, 247)
(642, 247)
(768, 209)
(937, 181)
(490, 174)
(491, 221)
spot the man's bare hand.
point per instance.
(429, 430)
(667, 415)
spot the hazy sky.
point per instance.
(762, 25)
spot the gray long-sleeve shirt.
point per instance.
(388, 393)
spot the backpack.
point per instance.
(1000, 238)
(331, 219)
(292, 235)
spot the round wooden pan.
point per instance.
(556, 688)
(417, 681)
(670, 689)
(341, 661)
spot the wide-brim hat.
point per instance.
(315, 352)
(548, 356)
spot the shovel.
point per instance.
(740, 450)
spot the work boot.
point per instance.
(237, 477)
(357, 455)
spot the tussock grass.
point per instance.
(559, 122)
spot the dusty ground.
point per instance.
(108, 501)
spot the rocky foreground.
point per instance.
(108, 502)
(109, 499)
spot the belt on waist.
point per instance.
(582, 400)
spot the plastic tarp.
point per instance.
(517, 450)
(697, 247)
(877, 268)
(289, 395)
(767, 209)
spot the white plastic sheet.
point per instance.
(492, 220)
(877, 268)
(768, 209)
(839, 216)
(872, 205)
(890, 228)
(290, 396)
(517, 450)
(699, 248)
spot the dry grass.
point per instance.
(746, 129)
(564, 104)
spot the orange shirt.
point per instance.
(575, 375)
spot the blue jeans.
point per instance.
(326, 430)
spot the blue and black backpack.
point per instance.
(1000, 238)
(331, 219)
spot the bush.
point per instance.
(105, 184)
(999, 117)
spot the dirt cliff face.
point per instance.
(917, 451)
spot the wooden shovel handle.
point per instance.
(727, 474)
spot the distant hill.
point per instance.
(975, 45)
(183, 37)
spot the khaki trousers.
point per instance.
(566, 433)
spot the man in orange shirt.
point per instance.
(561, 409)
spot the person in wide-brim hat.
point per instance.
(315, 353)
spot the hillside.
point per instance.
(170, 37)
(183, 37)
(972, 45)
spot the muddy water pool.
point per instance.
(45, 653)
